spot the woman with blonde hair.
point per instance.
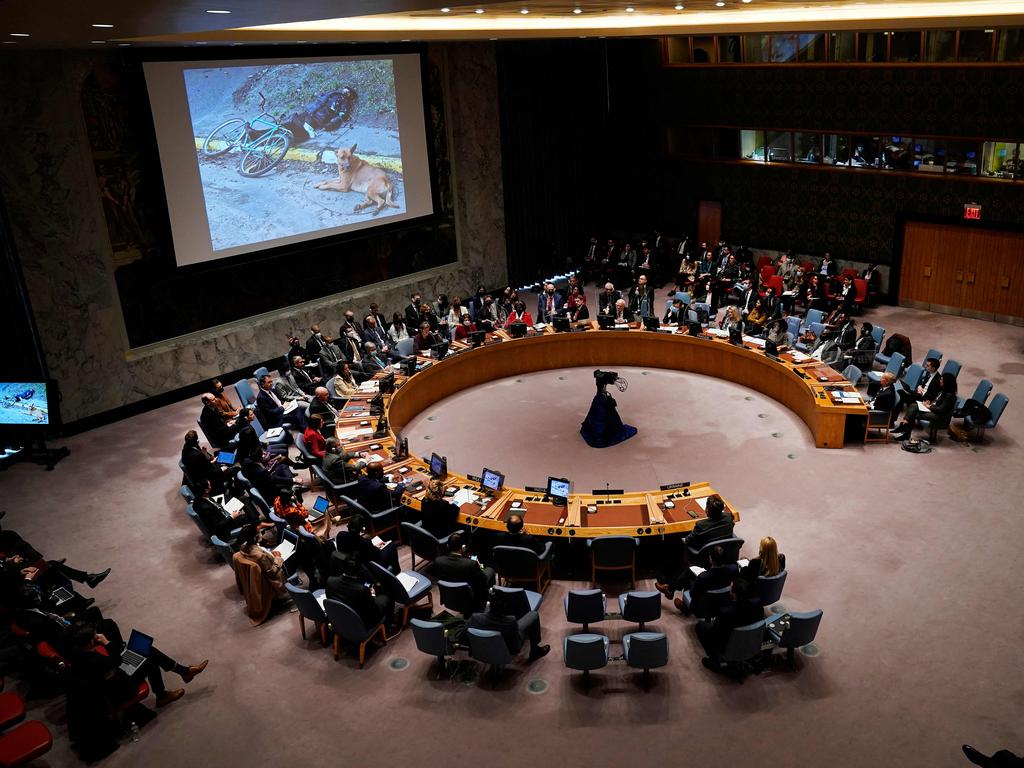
(731, 319)
(436, 514)
(767, 563)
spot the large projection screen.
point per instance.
(258, 154)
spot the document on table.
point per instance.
(369, 386)
(272, 434)
(798, 357)
(464, 496)
(717, 332)
(847, 397)
(755, 341)
(233, 505)
(291, 405)
(285, 549)
(376, 457)
(358, 432)
(703, 503)
(407, 581)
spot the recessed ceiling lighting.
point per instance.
(10, 42)
(630, 9)
(103, 26)
(19, 34)
(989, 31)
(203, 42)
(97, 42)
(123, 45)
(446, 10)
(479, 10)
(492, 38)
(720, 4)
(217, 10)
(750, 1)
(679, 7)
(577, 10)
(301, 41)
(524, 11)
(405, 39)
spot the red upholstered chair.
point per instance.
(764, 261)
(862, 293)
(766, 273)
(140, 695)
(851, 273)
(12, 710)
(808, 267)
(24, 743)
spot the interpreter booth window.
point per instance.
(1010, 46)
(962, 157)
(976, 44)
(752, 146)
(756, 49)
(785, 48)
(812, 47)
(704, 50)
(905, 47)
(807, 148)
(837, 150)
(865, 152)
(842, 46)
(939, 45)
(897, 153)
(677, 50)
(929, 156)
(727, 143)
(780, 146)
(872, 46)
(702, 142)
(1000, 160)
(729, 49)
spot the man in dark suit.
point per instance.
(549, 304)
(321, 406)
(314, 343)
(200, 465)
(744, 609)
(514, 536)
(301, 378)
(372, 492)
(218, 431)
(606, 300)
(513, 631)
(347, 587)
(676, 314)
(372, 360)
(286, 387)
(218, 520)
(622, 313)
(376, 335)
(334, 464)
(270, 408)
(718, 574)
(928, 389)
(717, 525)
(458, 566)
(412, 311)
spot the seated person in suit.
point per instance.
(606, 300)
(315, 442)
(372, 492)
(928, 389)
(303, 380)
(424, 340)
(286, 387)
(373, 362)
(321, 406)
(769, 562)
(676, 314)
(718, 574)
(549, 304)
(354, 542)
(201, 465)
(346, 585)
(499, 618)
(336, 462)
(436, 514)
(887, 398)
(939, 410)
(623, 314)
(271, 411)
(717, 525)
(224, 407)
(514, 536)
(576, 304)
(249, 441)
(457, 565)
(344, 383)
(744, 608)
(218, 520)
(219, 431)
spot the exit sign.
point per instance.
(972, 211)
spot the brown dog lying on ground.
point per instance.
(357, 175)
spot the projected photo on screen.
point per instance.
(23, 403)
(258, 130)
(260, 153)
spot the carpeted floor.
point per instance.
(911, 557)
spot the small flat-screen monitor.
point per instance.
(561, 324)
(491, 480)
(735, 335)
(438, 466)
(387, 383)
(558, 489)
(478, 338)
(695, 328)
(439, 351)
(517, 330)
(605, 321)
(409, 366)
(651, 323)
(771, 348)
(28, 407)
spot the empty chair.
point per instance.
(645, 650)
(852, 374)
(981, 393)
(457, 595)
(817, 329)
(803, 628)
(423, 543)
(640, 607)
(813, 316)
(489, 648)
(518, 565)
(585, 607)
(186, 493)
(995, 409)
(912, 376)
(793, 327)
(24, 743)
(613, 553)
(769, 588)
(404, 347)
(585, 653)
(519, 601)
(952, 366)
(12, 710)
(708, 604)
(431, 639)
(309, 608)
(878, 426)
(223, 549)
(377, 522)
(743, 646)
(862, 293)
(245, 394)
(877, 333)
(348, 626)
(731, 546)
(683, 296)
(893, 366)
(408, 589)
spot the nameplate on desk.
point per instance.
(534, 489)
(475, 478)
(673, 486)
(606, 491)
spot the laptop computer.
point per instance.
(61, 595)
(227, 458)
(136, 652)
(319, 508)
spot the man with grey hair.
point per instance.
(321, 405)
(372, 361)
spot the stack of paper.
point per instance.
(464, 496)
(408, 581)
(369, 386)
(359, 432)
(718, 332)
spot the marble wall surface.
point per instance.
(50, 190)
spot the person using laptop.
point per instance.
(98, 663)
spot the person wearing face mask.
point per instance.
(465, 327)
(294, 348)
(576, 305)
(350, 339)
(518, 315)
(374, 334)
(455, 312)
(549, 304)
(224, 407)
(314, 343)
(412, 311)
(424, 340)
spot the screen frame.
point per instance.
(443, 461)
(500, 476)
(53, 421)
(559, 480)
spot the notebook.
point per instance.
(408, 581)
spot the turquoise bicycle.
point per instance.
(263, 142)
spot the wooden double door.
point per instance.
(963, 271)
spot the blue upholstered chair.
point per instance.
(952, 366)
(645, 650)
(517, 565)
(246, 396)
(408, 598)
(379, 523)
(585, 652)
(769, 588)
(488, 647)
(877, 333)
(348, 626)
(708, 604)
(936, 353)
(519, 601)
(309, 608)
(457, 596)
(893, 365)
(981, 393)
(431, 639)
(423, 543)
(613, 553)
(584, 607)
(912, 377)
(223, 549)
(803, 628)
(744, 646)
(995, 408)
(852, 374)
(640, 607)
(731, 546)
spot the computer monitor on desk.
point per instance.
(695, 328)
(491, 481)
(605, 322)
(558, 490)
(517, 330)
(651, 323)
(561, 324)
(736, 336)
(438, 466)
(771, 348)
(439, 351)
(477, 338)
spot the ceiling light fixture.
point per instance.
(630, 9)
(750, 1)
(679, 7)
(103, 26)
(217, 10)
(123, 45)
(203, 42)
(97, 42)
(524, 11)
(19, 34)
(720, 4)
(446, 10)
(479, 10)
(577, 11)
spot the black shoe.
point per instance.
(93, 579)
(714, 666)
(539, 652)
(975, 756)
